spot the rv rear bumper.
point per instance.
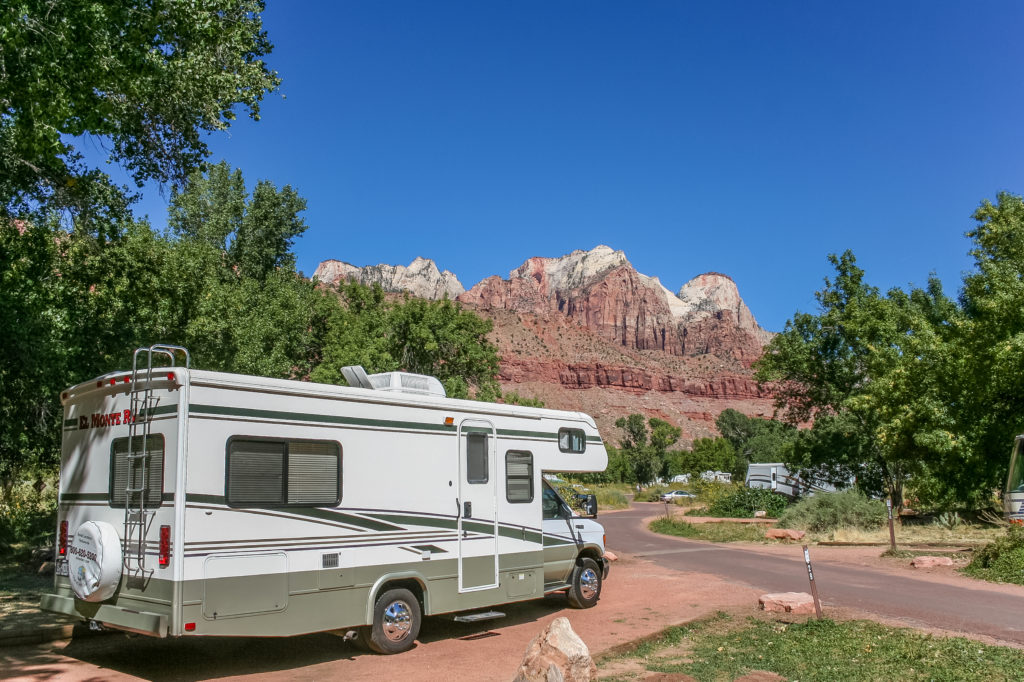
(142, 622)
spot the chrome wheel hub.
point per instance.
(397, 621)
(589, 582)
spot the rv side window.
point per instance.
(518, 476)
(273, 472)
(476, 458)
(126, 470)
(571, 440)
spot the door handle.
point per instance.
(467, 509)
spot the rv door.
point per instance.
(477, 507)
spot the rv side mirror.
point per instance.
(590, 505)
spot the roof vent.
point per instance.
(403, 382)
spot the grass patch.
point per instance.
(911, 553)
(965, 535)
(722, 649)
(711, 532)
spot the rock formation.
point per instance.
(587, 332)
(600, 290)
(421, 278)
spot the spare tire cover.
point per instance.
(94, 561)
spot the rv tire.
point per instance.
(396, 622)
(585, 585)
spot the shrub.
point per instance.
(610, 498)
(28, 515)
(829, 511)
(1001, 561)
(709, 492)
(742, 502)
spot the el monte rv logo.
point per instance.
(99, 421)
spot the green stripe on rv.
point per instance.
(279, 415)
(311, 512)
(319, 418)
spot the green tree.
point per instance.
(438, 338)
(869, 369)
(755, 439)
(255, 234)
(643, 450)
(146, 80)
(33, 365)
(989, 349)
(707, 454)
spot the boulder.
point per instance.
(931, 561)
(610, 556)
(787, 602)
(557, 654)
(784, 534)
(760, 514)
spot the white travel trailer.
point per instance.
(776, 477)
(204, 503)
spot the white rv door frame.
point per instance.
(478, 506)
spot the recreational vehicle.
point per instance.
(777, 478)
(203, 503)
(1013, 495)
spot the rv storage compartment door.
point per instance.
(245, 585)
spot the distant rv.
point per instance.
(777, 478)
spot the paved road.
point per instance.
(971, 609)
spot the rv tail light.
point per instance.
(165, 546)
(62, 539)
(127, 379)
(190, 627)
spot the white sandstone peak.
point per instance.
(420, 278)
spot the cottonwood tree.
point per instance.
(869, 370)
(143, 80)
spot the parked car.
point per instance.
(677, 495)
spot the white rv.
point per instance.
(777, 478)
(202, 503)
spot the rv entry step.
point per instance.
(477, 617)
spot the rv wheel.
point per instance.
(585, 589)
(396, 622)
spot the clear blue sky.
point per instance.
(750, 138)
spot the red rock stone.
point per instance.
(787, 602)
(784, 534)
(931, 561)
(558, 647)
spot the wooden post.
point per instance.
(814, 587)
(892, 530)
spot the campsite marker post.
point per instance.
(814, 587)
(892, 531)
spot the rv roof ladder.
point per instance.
(136, 516)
